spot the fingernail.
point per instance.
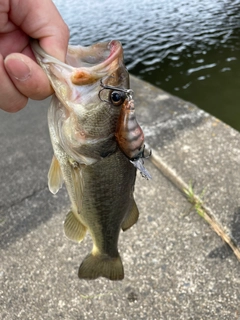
(17, 68)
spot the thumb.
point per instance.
(41, 20)
(27, 76)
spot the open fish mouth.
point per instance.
(84, 65)
(96, 56)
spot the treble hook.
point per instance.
(138, 163)
(128, 92)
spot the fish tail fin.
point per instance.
(73, 228)
(101, 265)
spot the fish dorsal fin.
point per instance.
(131, 218)
(73, 228)
(55, 178)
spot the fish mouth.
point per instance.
(96, 62)
(84, 65)
(97, 55)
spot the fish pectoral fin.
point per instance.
(101, 265)
(73, 228)
(131, 218)
(55, 178)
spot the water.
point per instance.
(188, 48)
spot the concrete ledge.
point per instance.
(201, 150)
(176, 267)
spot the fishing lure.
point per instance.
(129, 134)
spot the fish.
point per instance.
(97, 145)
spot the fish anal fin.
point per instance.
(101, 265)
(55, 178)
(73, 228)
(131, 218)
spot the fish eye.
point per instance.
(117, 97)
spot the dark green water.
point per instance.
(188, 48)
(209, 78)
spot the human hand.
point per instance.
(21, 77)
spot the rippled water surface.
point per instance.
(188, 48)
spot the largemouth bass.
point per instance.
(98, 145)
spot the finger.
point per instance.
(11, 100)
(27, 76)
(14, 41)
(42, 21)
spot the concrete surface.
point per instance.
(201, 149)
(176, 267)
